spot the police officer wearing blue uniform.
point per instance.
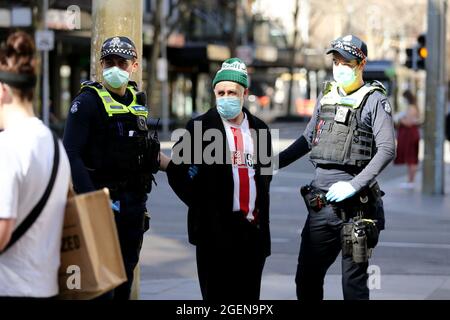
(109, 145)
(351, 139)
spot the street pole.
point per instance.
(117, 18)
(290, 101)
(164, 70)
(45, 71)
(433, 167)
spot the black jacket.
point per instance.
(209, 195)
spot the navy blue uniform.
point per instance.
(87, 119)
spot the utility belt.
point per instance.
(137, 183)
(315, 200)
(359, 234)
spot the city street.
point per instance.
(111, 77)
(413, 255)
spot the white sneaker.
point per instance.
(407, 185)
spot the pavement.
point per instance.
(411, 261)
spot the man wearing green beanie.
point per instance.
(228, 199)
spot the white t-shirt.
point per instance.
(30, 267)
(240, 142)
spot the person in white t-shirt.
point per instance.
(29, 267)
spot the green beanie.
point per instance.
(233, 69)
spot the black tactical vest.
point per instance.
(120, 156)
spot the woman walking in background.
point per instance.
(408, 137)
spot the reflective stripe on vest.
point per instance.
(353, 100)
(343, 140)
(113, 107)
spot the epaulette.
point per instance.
(92, 83)
(133, 84)
(378, 84)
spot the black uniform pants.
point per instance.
(320, 246)
(232, 271)
(131, 224)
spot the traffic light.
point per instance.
(411, 60)
(415, 56)
(422, 52)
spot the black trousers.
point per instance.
(131, 224)
(232, 271)
(320, 246)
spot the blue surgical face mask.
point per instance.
(344, 75)
(229, 107)
(116, 77)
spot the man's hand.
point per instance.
(340, 191)
(164, 161)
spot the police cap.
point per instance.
(350, 47)
(119, 46)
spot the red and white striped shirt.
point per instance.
(241, 148)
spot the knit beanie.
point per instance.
(232, 69)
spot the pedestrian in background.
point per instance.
(28, 266)
(408, 137)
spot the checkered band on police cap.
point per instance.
(119, 46)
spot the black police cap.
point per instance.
(118, 46)
(350, 47)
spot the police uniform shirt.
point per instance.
(85, 119)
(376, 114)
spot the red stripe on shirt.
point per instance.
(244, 183)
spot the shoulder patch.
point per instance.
(74, 107)
(386, 106)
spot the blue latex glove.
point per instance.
(115, 206)
(340, 191)
(193, 171)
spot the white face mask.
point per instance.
(116, 77)
(344, 75)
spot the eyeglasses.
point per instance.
(349, 47)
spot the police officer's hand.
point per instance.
(340, 191)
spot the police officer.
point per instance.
(351, 139)
(109, 145)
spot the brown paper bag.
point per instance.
(91, 260)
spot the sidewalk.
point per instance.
(413, 252)
(412, 201)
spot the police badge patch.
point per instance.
(386, 106)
